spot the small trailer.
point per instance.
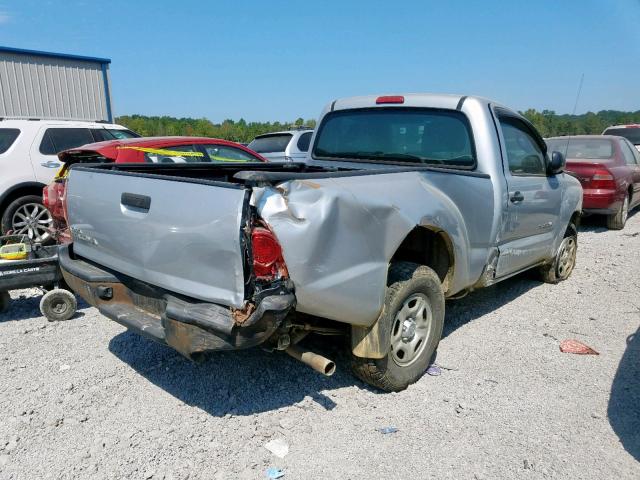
(24, 265)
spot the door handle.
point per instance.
(133, 200)
(517, 197)
(51, 164)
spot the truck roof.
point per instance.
(431, 100)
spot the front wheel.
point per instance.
(414, 315)
(565, 260)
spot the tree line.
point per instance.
(237, 131)
(548, 123)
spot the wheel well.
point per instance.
(430, 247)
(30, 189)
(630, 193)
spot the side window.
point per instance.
(627, 152)
(524, 155)
(101, 134)
(176, 154)
(46, 145)
(56, 140)
(223, 153)
(303, 141)
(7, 137)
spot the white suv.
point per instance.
(630, 132)
(29, 161)
(288, 146)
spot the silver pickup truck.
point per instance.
(404, 202)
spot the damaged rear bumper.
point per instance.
(187, 325)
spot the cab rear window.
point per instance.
(397, 135)
(7, 137)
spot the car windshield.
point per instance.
(270, 143)
(412, 135)
(581, 148)
(631, 134)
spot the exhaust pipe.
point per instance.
(319, 363)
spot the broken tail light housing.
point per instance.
(53, 197)
(268, 263)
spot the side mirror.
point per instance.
(558, 163)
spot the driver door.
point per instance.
(534, 198)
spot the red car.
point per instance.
(608, 168)
(139, 150)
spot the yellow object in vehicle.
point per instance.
(164, 152)
(225, 159)
(62, 172)
(14, 251)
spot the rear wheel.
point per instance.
(27, 216)
(414, 314)
(619, 219)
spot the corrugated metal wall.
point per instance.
(34, 86)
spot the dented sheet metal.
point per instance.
(339, 234)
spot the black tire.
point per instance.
(5, 301)
(58, 305)
(10, 213)
(406, 280)
(618, 220)
(559, 270)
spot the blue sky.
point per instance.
(277, 60)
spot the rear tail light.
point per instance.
(268, 263)
(54, 198)
(602, 179)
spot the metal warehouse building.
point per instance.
(41, 85)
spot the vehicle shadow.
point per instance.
(486, 300)
(593, 224)
(251, 381)
(598, 223)
(241, 382)
(624, 403)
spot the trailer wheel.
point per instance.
(58, 305)
(5, 300)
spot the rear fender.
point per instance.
(338, 236)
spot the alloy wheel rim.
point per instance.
(567, 257)
(625, 209)
(411, 329)
(33, 220)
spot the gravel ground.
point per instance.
(87, 399)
